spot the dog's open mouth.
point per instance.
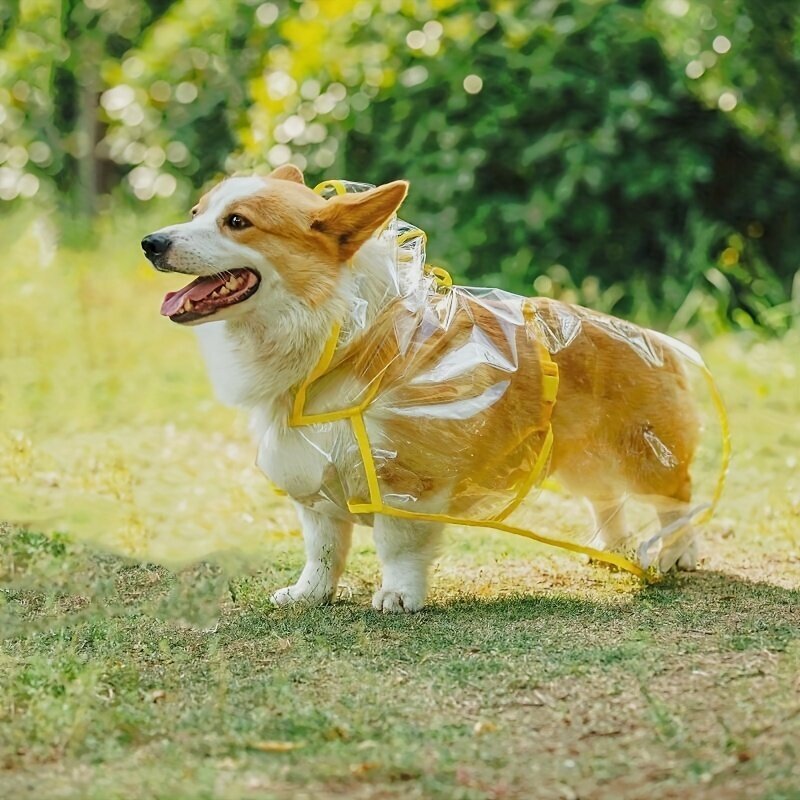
(208, 294)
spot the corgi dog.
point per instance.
(276, 268)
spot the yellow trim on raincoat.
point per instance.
(376, 504)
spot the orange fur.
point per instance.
(614, 408)
(609, 402)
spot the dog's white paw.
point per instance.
(397, 602)
(682, 555)
(689, 559)
(290, 595)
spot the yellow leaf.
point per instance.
(482, 727)
(363, 768)
(270, 746)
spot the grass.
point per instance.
(531, 674)
(125, 680)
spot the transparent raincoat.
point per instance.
(451, 404)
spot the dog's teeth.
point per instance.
(223, 291)
(188, 305)
(231, 284)
(215, 293)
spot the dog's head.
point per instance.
(258, 242)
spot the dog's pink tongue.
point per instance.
(197, 290)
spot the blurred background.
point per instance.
(640, 157)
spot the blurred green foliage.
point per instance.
(641, 157)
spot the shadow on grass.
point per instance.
(562, 632)
(47, 584)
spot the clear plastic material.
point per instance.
(453, 404)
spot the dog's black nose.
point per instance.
(156, 244)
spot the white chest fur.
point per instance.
(254, 362)
(227, 371)
(294, 459)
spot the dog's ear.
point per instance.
(350, 219)
(287, 172)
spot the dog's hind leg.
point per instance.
(327, 541)
(406, 549)
(679, 549)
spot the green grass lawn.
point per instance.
(527, 677)
(530, 675)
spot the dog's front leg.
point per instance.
(406, 550)
(327, 541)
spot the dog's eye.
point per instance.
(237, 222)
(194, 212)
